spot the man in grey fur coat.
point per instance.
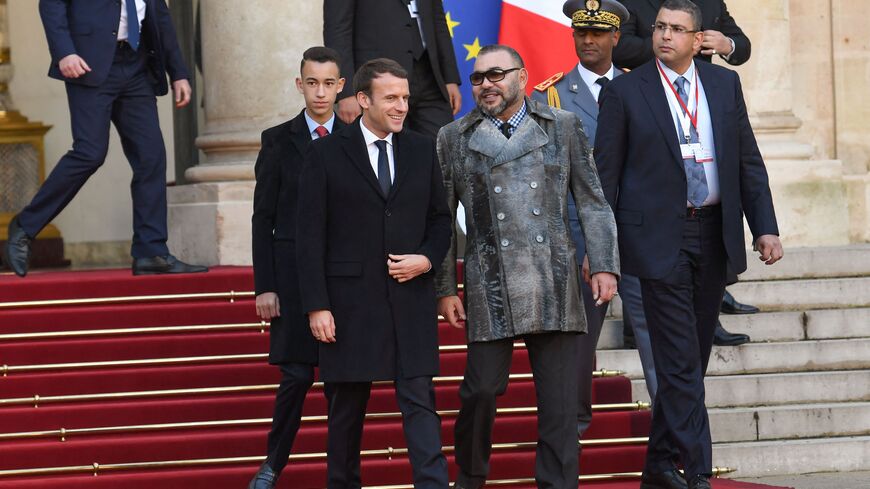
(511, 162)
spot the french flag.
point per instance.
(537, 29)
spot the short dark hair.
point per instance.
(685, 6)
(362, 79)
(320, 54)
(494, 48)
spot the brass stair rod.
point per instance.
(231, 295)
(36, 399)
(262, 325)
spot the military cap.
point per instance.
(595, 14)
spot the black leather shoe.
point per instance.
(721, 337)
(699, 482)
(672, 479)
(164, 264)
(16, 253)
(731, 306)
(264, 478)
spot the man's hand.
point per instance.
(450, 307)
(455, 97)
(769, 248)
(407, 267)
(716, 43)
(603, 287)
(182, 91)
(268, 306)
(348, 109)
(73, 66)
(322, 325)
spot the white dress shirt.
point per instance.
(705, 124)
(312, 125)
(590, 78)
(373, 150)
(122, 26)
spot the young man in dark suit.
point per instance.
(114, 57)
(376, 225)
(276, 280)
(412, 32)
(680, 166)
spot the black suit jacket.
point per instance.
(641, 170)
(342, 246)
(274, 236)
(635, 45)
(361, 30)
(89, 28)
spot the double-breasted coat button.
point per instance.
(505, 242)
(500, 216)
(536, 211)
(497, 189)
(539, 238)
(533, 185)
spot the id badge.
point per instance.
(688, 150)
(412, 9)
(703, 155)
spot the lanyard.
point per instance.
(686, 118)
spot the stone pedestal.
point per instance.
(251, 57)
(810, 194)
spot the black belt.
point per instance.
(706, 211)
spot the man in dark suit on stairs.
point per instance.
(114, 56)
(412, 32)
(680, 166)
(276, 280)
(376, 227)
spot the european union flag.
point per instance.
(473, 24)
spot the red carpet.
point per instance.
(195, 360)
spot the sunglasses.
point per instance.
(493, 75)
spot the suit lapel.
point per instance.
(299, 134)
(401, 163)
(355, 147)
(655, 97)
(582, 96)
(712, 91)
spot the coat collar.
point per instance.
(300, 135)
(529, 136)
(354, 146)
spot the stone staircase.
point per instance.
(797, 399)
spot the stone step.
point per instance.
(784, 295)
(779, 388)
(801, 263)
(788, 356)
(790, 422)
(775, 326)
(781, 457)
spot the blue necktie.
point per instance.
(696, 178)
(132, 24)
(383, 167)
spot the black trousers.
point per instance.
(554, 366)
(681, 310)
(296, 380)
(420, 422)
(127, 100)
(428, 110)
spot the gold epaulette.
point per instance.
(549, 82)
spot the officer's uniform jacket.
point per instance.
(520, 271)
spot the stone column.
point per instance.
(809, 194)
(251, 53)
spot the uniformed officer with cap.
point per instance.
(596, 31)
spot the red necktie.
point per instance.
(321, 131)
